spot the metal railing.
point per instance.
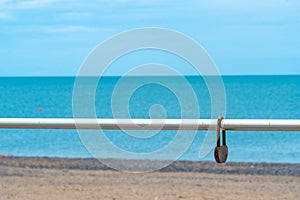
(220, 124)
(151, 124)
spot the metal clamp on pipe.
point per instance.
(221, 152)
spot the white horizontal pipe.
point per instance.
(150, 124)
(107, 124)
(261, 124)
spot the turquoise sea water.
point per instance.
(267, 97)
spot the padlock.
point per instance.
(221, 152)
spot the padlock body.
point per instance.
(221, 154)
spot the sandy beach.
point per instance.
(58, 178)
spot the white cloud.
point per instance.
(9, 9)
(142, 1)
(4, 1)
(68, 29)
(253, 5)
(27, 4)
(74, 15)
(75, 29)
(30, 4)
(4, 16)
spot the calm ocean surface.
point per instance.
(267, 97)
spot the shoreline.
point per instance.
(245, 168)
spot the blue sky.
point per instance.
(53, 37)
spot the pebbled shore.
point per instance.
(62, 178)
(177, 166)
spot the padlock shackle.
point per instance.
(223, 137)
(219, 121)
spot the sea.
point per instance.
(246, 97)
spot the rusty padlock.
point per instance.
(221, 152)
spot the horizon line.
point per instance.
(189, 75)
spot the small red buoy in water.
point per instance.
(40, 109)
